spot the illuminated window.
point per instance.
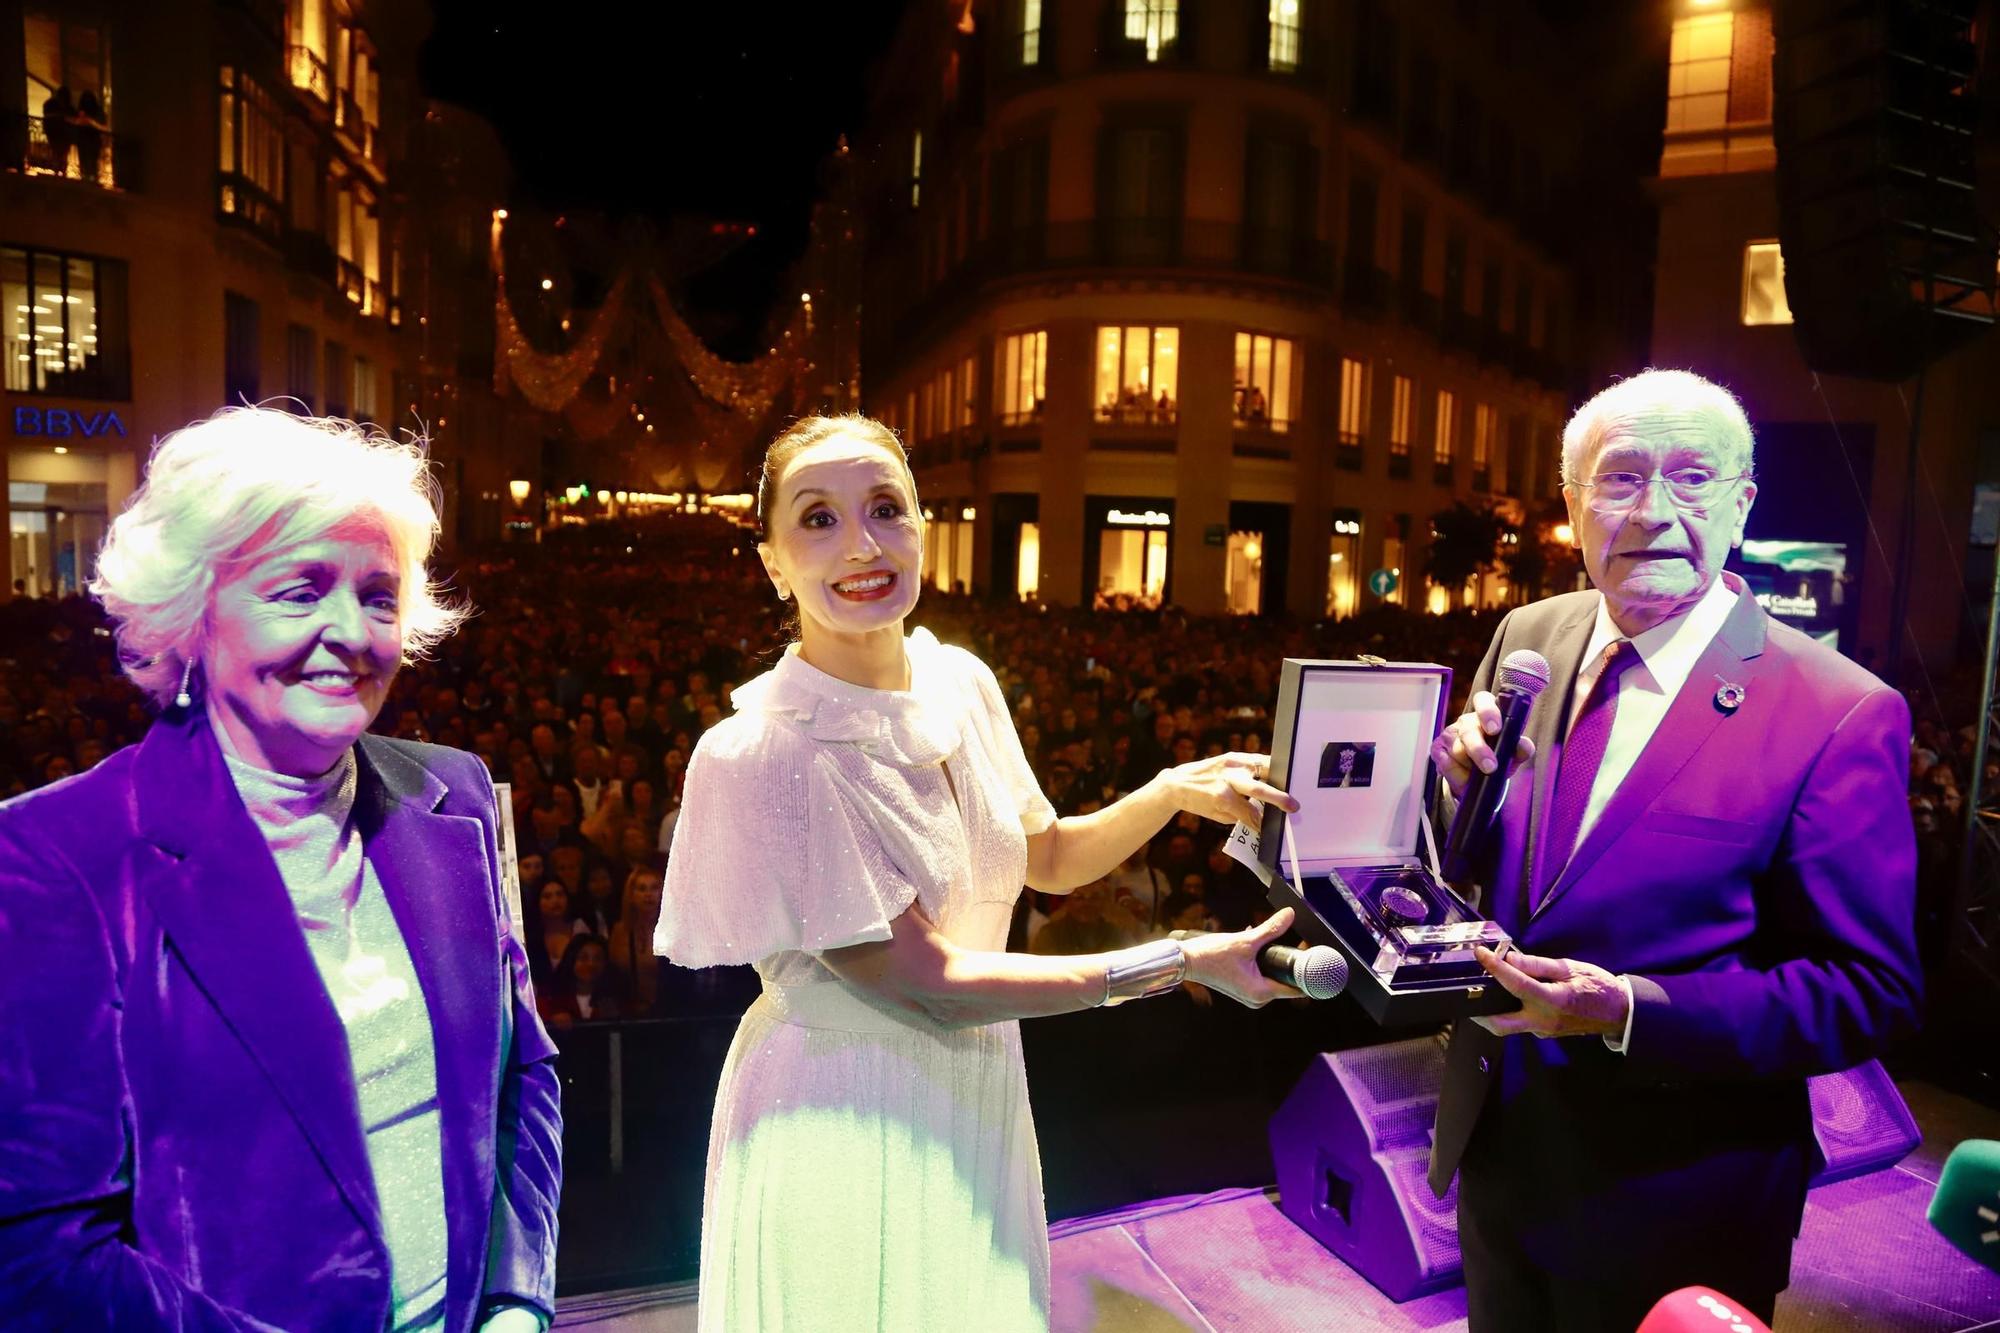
(1031, 32)
(357, 88)
(1154, 24)
(916, 166)
(1028, 563)
(967, 401)
(251, 154)
(68, 66)
(1698, 72)
(1764, 284)
(1353, 401)
(357, 239)
(64, 321)
(1263, 397)
(1023, 376)
(306, 48)
(1483, 425)
(1284, 46)
(1138, 374)
(1402, 415)
(926, 410)
(1445, 439)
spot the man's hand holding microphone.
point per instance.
(1560, 997)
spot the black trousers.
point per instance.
(1506, 1290)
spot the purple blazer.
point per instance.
(180, 1138)
(1755, 875)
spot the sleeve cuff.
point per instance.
(1624, 1038)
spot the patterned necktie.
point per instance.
(1582, 756)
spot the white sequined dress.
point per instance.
(865, 1170)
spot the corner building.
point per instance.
(217, 225)
(1216, 303)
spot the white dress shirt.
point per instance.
(1647, 689)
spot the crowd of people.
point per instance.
(594, 665)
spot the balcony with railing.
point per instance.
(1132, 408)
(1140, 243)
(360, 133)
(78, 151)
(1347, 452)
(353, 283)
(309, 73)
(241, 201)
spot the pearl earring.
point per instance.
(184, 699)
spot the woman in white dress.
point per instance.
(859, 830)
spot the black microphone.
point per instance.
(1321, 972)
(1523, 675)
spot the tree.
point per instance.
(1536, 562)
(1465, 541)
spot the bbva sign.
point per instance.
(60, 423)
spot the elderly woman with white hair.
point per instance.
(270, 1057)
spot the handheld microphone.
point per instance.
(1523, 675)
(1321, 972)
(1966, 1208)
(1700, 1308)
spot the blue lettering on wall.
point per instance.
(61, 422)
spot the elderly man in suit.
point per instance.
(1706, 863)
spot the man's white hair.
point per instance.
(1650, 392)
(244, 484)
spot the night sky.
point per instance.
(725, 109)
(703, 108)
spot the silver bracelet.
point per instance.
(1144, 971)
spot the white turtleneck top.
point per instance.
(308, 823)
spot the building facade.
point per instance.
(1833, 452)
(1215, 303)
(201, 202)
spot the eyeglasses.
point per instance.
(1688, 487)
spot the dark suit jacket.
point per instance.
(1754, 874)
(180, 1137)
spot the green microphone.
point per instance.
(1966, 1208)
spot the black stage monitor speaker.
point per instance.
(1352, 1147)
(1888, 262)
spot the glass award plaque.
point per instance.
(1358, 862)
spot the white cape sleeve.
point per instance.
(990, 715)
(769, 855)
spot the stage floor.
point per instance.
(1866, 1260)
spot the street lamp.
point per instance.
(519, 488)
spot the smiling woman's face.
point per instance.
(302, 645)
(1654, 558)
(846, 539)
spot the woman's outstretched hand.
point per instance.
(1222, 787)
(1227, 961)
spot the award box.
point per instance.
(1358, 862)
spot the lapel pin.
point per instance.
(1729, 697)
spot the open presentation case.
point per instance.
(1358, 862)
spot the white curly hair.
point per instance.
(242, 485)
